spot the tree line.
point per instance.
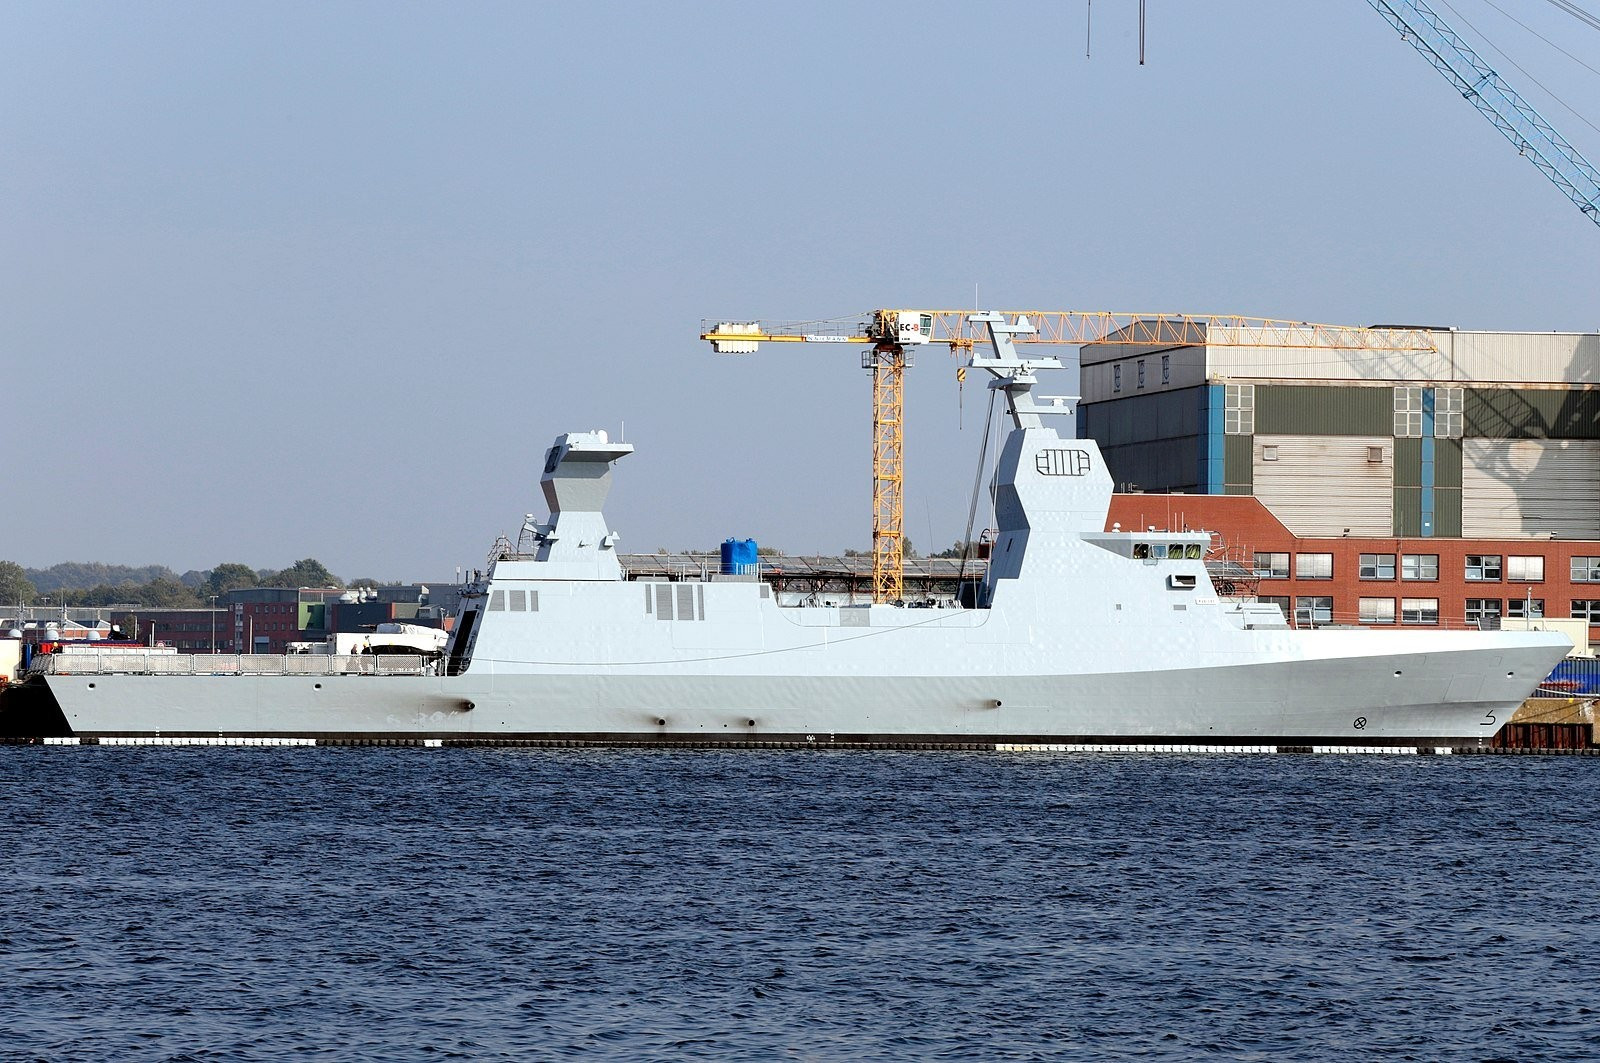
(94, 584)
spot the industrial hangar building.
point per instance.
(1445, 486)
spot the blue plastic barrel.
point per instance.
(739, 556)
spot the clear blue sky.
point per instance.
(293, 279)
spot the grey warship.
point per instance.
(1078, 637)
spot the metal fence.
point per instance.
(230, 664)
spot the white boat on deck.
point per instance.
(1079, 635)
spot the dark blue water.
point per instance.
(427, 904)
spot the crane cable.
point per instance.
(1542, 37)
(1494, 48)
(977, 483)
(1576, 12)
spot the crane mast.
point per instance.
(1516, 119)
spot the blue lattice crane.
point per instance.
(1499, 102)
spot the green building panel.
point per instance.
(1238, 464)
(1447, 512)
(1408, 511)
(1323, 410)
(1408, 463)
(1531, 413)
(1446, 463)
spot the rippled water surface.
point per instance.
(423, 904)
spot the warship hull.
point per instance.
(1444, 697)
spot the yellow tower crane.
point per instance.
(890, 332)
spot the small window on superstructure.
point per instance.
(1141, 550)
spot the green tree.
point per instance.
(165, 593)
(15, 587)
(307, 572)
(229, 576)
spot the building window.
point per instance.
(1483, 568)
(1408, 413)
(1313, 566)
(1447, 406)
(1269, 452)
(1525, 608)
(1525, 569)
(1586, 570)
(1141, 372)
(1377, 611)
(1313, 610)
(1166, 368)
(1419, 610)
(1281, 603)
(1378, 566)
(1587, 609)
(1239, 409)
(1419, 566)
(1116, 378)
(1272, 566)
(1484, 612)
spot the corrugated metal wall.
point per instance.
(1530, 487)
(1532, 413)
(1447, 487)
(1238, 464)
(1321, 485)
(1152, 440)
(1139, 418)
(1328, 363)
(1522, 356)
(1408, 487)
(1324, 411)
(1159, 465)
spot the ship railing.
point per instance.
(231, 664)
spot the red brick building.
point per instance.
(1389, 580)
